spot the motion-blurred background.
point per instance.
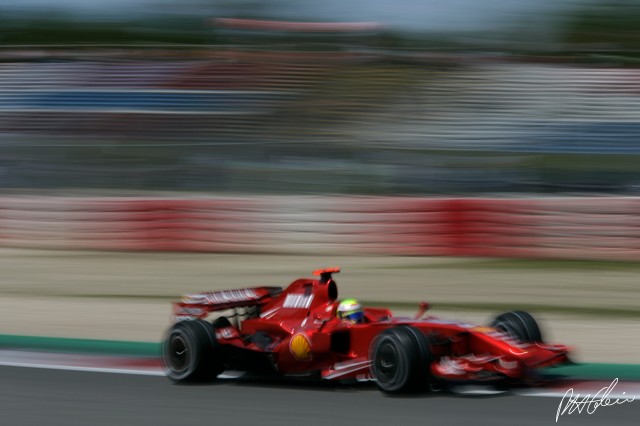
(360, 97)
(220, 99)
(501, 128)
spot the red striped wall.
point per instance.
(595, 228)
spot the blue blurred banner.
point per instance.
(137, 101)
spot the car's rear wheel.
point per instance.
(190, 352)
(401, 359)
(520, 325)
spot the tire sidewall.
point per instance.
(390, 343)
(520, 325)
(180, 332)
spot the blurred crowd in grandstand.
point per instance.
(282, 107)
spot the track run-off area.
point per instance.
(43, 396)
(127, 386)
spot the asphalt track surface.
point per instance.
(34, 396)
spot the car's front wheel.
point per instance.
(401, 359)
(190, 352)
(520, 325)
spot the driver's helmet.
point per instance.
(350, 310)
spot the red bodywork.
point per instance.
(297, 332)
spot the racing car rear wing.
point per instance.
(199, 305)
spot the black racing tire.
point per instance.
(401, 360)
(191, 353)
(520, 325)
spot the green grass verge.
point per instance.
(84, 346)
(598, 371)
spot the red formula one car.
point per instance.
(296, 332)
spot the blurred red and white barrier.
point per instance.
(597, 228)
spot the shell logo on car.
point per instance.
(482, 329)
(300, 347)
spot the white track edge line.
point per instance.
(86, 369)
(528, 392)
